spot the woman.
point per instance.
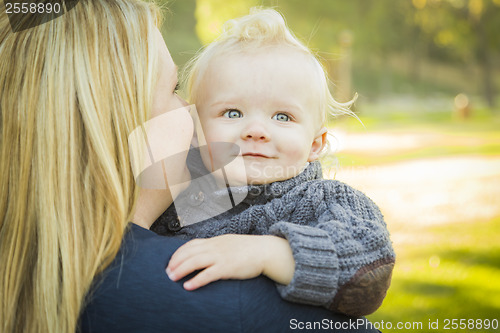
(72, 90)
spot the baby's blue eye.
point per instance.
(281, 117)
(233, 114)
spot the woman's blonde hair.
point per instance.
(71, 91)
(261, 28)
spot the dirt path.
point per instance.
(397, 141)
(415, 194)
(431, 191)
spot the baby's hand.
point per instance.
(229, 257)
(221, 257)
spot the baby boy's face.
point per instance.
(266, 102)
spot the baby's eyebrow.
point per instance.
(288, 106)
(220, 103)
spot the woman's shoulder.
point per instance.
(134, 294)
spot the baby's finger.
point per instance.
(203, 278)
(190, 249)
(189, 265)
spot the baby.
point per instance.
(323, 242)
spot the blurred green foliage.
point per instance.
(211, 15)
(418, 47)
(179, 30)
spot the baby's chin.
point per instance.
(258, 175)
(241, 177)
(241, 172)
(265, 180)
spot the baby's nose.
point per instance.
(256, 131)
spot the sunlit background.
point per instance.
(427, 73)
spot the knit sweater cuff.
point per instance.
(315, 280)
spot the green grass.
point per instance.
(448, 272)
(376, 117)
(442, 272)
(486, 149)
(479, 135)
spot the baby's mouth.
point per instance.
(256, 155)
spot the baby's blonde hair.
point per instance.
(260, 28)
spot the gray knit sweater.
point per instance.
(340, 242)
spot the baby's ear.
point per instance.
(318, 144)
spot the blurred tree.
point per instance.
(179, 30)
(378, 28)
(211, 15)
(396, 44)
(463, 31)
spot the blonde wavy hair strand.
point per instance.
(71, 90)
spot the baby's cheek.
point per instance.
(212, 134)
(223, 134)
(188, 128)
(212, 137)
(296, 150)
